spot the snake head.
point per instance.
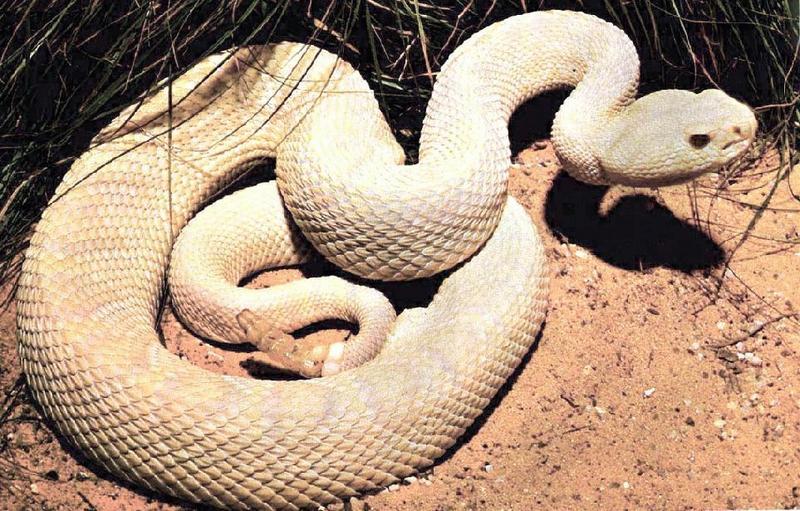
(673, 136)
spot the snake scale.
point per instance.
(93, 277)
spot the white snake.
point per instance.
(92, 281)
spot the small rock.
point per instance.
(727, 355)
(754, 398)
(581, 254)
(487, 467)
(539, 145)
(215, 357)
(740, 346)
(694, 347)
(355, 504)
(410, 480)
(649, 392)
(722, 325)
(626, 485)
(753, 359)
(689, 421)
(34, 489)
(394, 487)
(719, 423)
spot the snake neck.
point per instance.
(492, 76)
(464, 145)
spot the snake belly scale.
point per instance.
(92, 280)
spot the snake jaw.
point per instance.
(738, 136)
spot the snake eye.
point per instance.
(699, 140)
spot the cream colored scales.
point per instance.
(93, 276)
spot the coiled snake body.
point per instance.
(92, 280)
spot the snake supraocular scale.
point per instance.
(92, 280)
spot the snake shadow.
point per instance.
(636, 234)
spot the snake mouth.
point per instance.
(744, 142)
(741, 148)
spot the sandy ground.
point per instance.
(664, 377)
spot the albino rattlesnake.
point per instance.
(92, 281)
